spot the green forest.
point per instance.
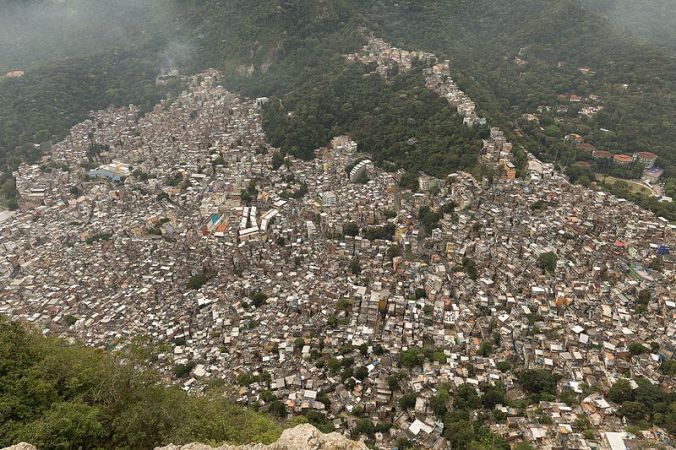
(58, 396)
(482, 40)
(291, 50)
(400, 123)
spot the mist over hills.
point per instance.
(652, 22)
(41, 31)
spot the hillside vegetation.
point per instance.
(484, 37)
(58, 396)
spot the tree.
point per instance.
(466, 398)
(621, 391)
(393, 381)
(581, 424)
(182, 370)
(69, 425)
(492, 397)
(539, 381)
(196, 281)
(299, 343)
(438, 402)
(459, 434)
(409, 180)
(258, 298)
(503, 366)
(403, 443)
(668, 367)
(277, 408)
(334, 365)
(523, 446)
(655, 264)
(277, 160)
(633, 411)
(428, 218)
(547, 262)
(364, 426)
(485, 348)
(411, 358)
(407, 401)
(355, 267)
(636, 348)
(361, 373)
(469, 267)
(552, 131)
(393, 251)
(351, 229)
(648, 394)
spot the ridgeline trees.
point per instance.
(547, 262)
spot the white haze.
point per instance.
(46, 30)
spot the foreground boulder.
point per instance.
(302, 437)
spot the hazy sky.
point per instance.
(32, 31)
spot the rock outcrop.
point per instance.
(302, 437)
(21, 446)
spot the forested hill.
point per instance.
(553, 39)
(512, 57)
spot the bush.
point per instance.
(182, 370)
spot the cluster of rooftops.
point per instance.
(308, 283)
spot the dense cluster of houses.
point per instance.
(304, 283)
